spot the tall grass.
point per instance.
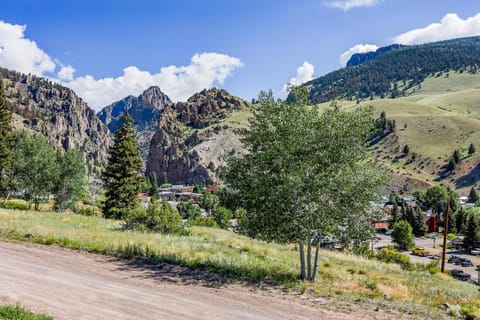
(238, 257)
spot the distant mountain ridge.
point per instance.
(57, 113)
(145, 111)
(359, 58)
(393, 70)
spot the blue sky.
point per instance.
(243, 46)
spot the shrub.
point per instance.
(88, 211)
(158, 217)
(390, 255)
(222, 217)
(16, 205)
(203, 222)
(188, 210)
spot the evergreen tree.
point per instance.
(471, 149)
(153, 192)
(122, 176)
(473, 196)
(460, 220)
(418, 223)
(456, 156)
(395, 215)
(6, 154)
(451, 165)
(472, 235)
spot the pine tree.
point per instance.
(473, 196)
(122, 176)
(6, 154)
(471, 149)
(472, 236)
(456, 156)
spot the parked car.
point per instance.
(460, 275)
(388, 233)
(434, 257)
(475, 252)
(420, 252)
(466, 263)
(452, 259)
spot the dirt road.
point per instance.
(68, 284)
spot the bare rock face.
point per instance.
(57, 113)
(145, 111)
(190, 142)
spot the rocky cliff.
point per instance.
(193, 137)
(145, 111)
(57, 113)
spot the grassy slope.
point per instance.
(441, 116)
(354, 279)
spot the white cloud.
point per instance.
(66, 73)
(22, 54)
(304, 74)
(359, 48)
(350, 4)
(178, 82)
(204, 71)
(451, 26)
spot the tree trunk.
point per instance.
(309, 256)
(6, 199)
(315, 268)
(302, 260)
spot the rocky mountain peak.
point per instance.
(145, 110)
(155, 97)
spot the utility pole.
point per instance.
(445, 229)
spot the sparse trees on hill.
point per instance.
(305, 174)
(471, 149)
(473, 196)
(456, 156)
(122, 177)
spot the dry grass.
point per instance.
(239, 257)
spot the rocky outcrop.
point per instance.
(57, 113)
(192, 138)
(145, 111)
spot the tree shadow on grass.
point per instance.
(212, 275)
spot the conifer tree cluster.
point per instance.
(122, 177)
(6, 154)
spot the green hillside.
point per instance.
(396, 72)
(441, 115)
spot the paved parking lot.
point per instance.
(427, 244)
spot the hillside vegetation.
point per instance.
(343, 278)
(394, 72)
(442, 115)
